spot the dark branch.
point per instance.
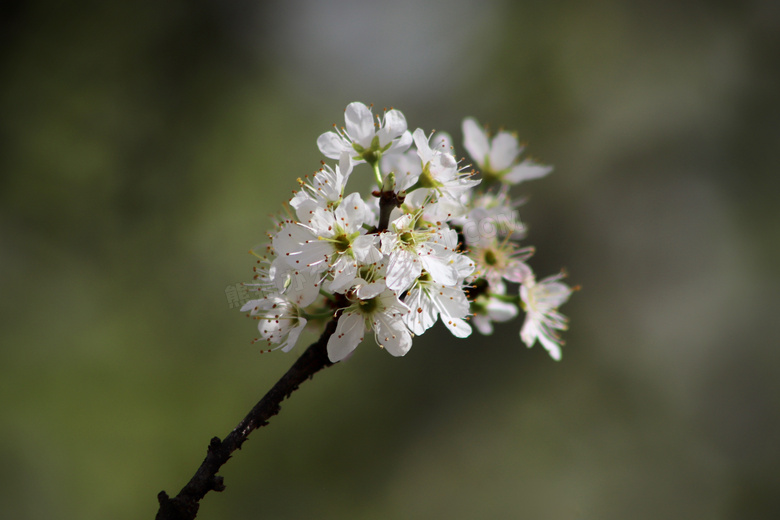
(184, 506)
(388, 200)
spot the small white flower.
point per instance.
(497, 261)
(280, 320)
(364, 140)
(411, 250)
(490, 216)
(429, 300)
(440, 172)
(331, 240)
(497, 157)
(542, 320)
(408, 167)
(325, 191)
(384, 314)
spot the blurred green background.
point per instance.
(145, 144)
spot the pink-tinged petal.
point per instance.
(348, 335)
(483, 325)
(360, 124)
(503, 151)
(518, 272)
(475, 141)
(530, 330)
(526, 171)
(501, 311)
(331, 145)
(552, 347)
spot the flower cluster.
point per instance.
(434, 242)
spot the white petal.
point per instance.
(422, 314)
(292, 337)
(392, 334)
(552, 347)
(331, 145)
(529, 331)
(458, 327)
(348, 335)
(442, 142)
(423, 148)
(403, 269)
(288, 243)
(304, 206)
(526, 171)
(365, 249)
(503, 151)
(345, 165)
(440, 269)
(452, 302)
(475, 141)
(251, 306)
(351, 213)
(394, 126)
(501, 311)
(371, 290)
(360, 124)
(344, 272)
(402, 143)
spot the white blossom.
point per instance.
(429, 300)
(430, 243)
(280, 320)
(440, 171)
(326, 190)
(497, 157)
(542, 320)
(383, 314)
(363, 139)
(411, 250)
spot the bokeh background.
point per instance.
(145, 144)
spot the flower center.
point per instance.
(407, 237)
(426, 179)
(369, 306)
(342, 242)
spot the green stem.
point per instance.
(377, 174)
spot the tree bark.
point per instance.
(184, 506)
